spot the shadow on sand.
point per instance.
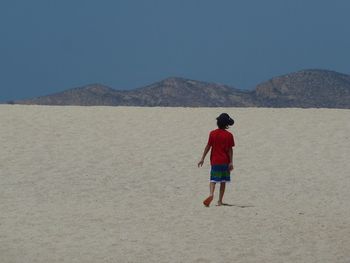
(236, 205)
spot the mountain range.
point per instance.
(311, 88)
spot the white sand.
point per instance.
(119, 184)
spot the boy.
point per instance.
(220, 142)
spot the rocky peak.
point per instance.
(306, 88)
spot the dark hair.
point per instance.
(224, 120)
(222, 124)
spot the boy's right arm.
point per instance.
(230, 153)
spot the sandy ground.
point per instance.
(120, 184)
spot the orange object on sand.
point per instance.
(207, 201)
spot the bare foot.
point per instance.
(207, 201)
(221, 203)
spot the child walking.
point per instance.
(221, 143)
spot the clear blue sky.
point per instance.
(49, 45)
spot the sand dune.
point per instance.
(120, 184)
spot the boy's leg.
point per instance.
(207, 201)
(212, 188)
(222, 192)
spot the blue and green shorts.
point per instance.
(220, 173)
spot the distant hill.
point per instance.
(306, 88)
(190, 93)
(169, 92)
(94, 94)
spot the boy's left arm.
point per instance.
(206, 150)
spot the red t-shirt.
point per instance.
(220, 141)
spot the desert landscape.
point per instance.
(121, 184)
